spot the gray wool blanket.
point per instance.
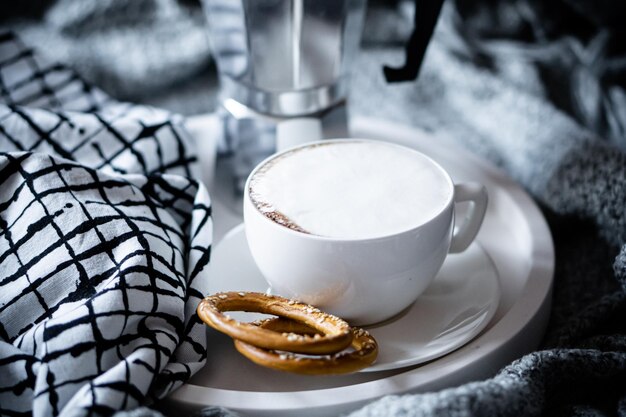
(548, 108)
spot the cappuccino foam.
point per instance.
(350, 190)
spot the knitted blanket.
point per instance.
(549, 109)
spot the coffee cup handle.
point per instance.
(297, 131)
(476, 195)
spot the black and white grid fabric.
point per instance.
(104, 242)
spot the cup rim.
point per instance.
(445, 174)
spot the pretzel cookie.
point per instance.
(336, 334)
(364, 353)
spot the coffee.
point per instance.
(350, 189)
(375, 223)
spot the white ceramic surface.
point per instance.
(517, 239)
(458, 304)
(355, 278)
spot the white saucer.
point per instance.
(454, 309)
(514, 234)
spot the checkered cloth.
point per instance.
(104, 240)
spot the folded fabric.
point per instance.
(104, 241)
(128, 49)
(502, 112)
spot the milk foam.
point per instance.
(350, 190)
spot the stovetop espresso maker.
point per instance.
(284, 69)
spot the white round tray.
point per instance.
(514, 234)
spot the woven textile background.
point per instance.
(104, 239)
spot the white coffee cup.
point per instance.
(363, 280)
